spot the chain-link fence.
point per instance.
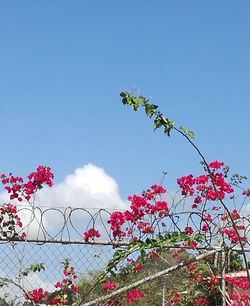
(14, 256)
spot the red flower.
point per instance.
(189, 230)
(192, 244)
(191, 266)
(216, 164)
(207, 218)
(36, 295)
(205, 227)
(109, 285)
(91, 233)
(134, 294)
(186, 183)
(200, 301)
(74, 288)
(177, 297)
(137, 267)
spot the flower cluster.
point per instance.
(90, 234)
(239, 299)
(240, 282)
(138, 217)
(134, 294)
(68, 280)
(232, 234)
(36, 295)
(137, 266)
(246, 192)
(209, 186)
(109, 285)
(20, 190)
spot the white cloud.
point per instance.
(88, 187)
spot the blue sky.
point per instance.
(63, 64)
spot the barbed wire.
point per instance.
(67, 225)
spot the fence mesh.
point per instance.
(87, 259)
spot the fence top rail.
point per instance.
(114, 244)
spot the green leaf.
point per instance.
(150, 109)
(123, 94)
(141, 100)
(119, 254)
(37, 267)
(157, 123)
(24, 271)
(187, 132)
(124, 101)
(167, 130)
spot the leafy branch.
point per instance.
(32, 268)
(160, 121)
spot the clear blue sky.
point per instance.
(63, 64)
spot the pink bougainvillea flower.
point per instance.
(109, 285)
(192, 244)
(205, 227)
(216, 164)
(189, 230)
(91, 233)
(134, 294)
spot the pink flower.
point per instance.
(216, 164)
(186, 183)
(200, 301)
(134, 294)
(23, 235)
(207, 218)
(191, 266)
(158, 189)
(192, 244)
(91, 233)
(109, 285)
(74, 288)
(205, 227)
(161, 207)
(234, 214)
(189, 230)
(36, 295)
(58, 285)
